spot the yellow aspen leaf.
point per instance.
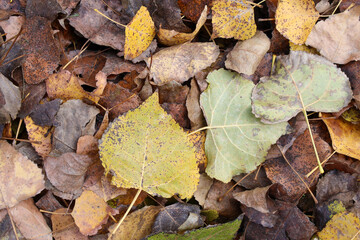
(90, 212)
(39, 134)
(22, 179)
(295, 19)
(198, 139)
(172, 37)
(139, 33)
(66, 86)
(344, 135)
(146, 149)
(302, 47)
(233, 19)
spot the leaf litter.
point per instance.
(142, 111)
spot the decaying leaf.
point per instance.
(192, 9)
(64, 227)
(344, 135)
(338, 37)
(236, 141)
(41, 137)
(321, 85)
(21, 178)
(246, 55)
(295, 19)
(179, 63)
(161, 160)
(233, 19)
(90, 212)
(172, 37)
(44, 114)
(195, 113)
(10, 100)
(139, 33)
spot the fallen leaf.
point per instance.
(48, 9)
(39, 134)
(226, 231)
(193, 9)
(76, 119)
(344, 135)
(139, 33)
(30, 221)
(90, 212)
(172, 37)
(236, 141)
(48, 202)
(64, 227)
(44, 114)
(302, 158)
(233, 19)
(172, 217)
(302, 47)
(7, 228)
(279, 44)
(10, 100)
(115, 65)
(161, 156)
(195, 113)
(178, 113)
(352, 70)
(22, 179)
(12, 25)
(338, 37)
(326, 210)
(67, 173)
(33, 94)
(198, 139)
(138, 224)
(179, 63)
(246, 55)
(343, 224)
(203, 188)
(295, 19)
(317, 80)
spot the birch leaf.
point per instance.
(236, 141)
(146, 149)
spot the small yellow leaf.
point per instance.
(295, 19)
(39, 134)
(139, 33)
(146, 149)
(172, 37)
(344, 135)
(302, 47)
(233, 19)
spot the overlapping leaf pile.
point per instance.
(127, 108)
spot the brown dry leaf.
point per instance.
(66, 86)
(21, 177)
(352, 70)
(179, 63)
(338, 37)
(138, 224)
(12, 25)
(30, 221)
(90, 212)
(233, 19)
(10, 100)
(115, 65)
(302, 158)
(139, 34)
(67, 173)
(172, 37)
(48, 202)
(246, 55)
(33, 94)
(64, 227)
(95, 27)
(344, 135)
(195, 114)
(44, 114)
(295, 19)
(192, 9)
(42, 55)
(205, 183)
(39, 134)
(178, 113)
(104, 189)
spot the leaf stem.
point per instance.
(126, 213)
(109, 18)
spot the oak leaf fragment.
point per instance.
(146, 149)
(233, 19)
(295, 19)
(338, 37)
(181, 62)
(139, 33)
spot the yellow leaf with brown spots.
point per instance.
(39, 134)
(139, 33)
(344, 135)
(172, 37)
(146, 149)
(302, 47)
(198, 139)
(295, 19)
(233, 19)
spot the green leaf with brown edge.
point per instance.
(236, 141)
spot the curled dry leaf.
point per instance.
(179, 63)
(233, 19)
(246, 55)
(338, 37)
(23, 178)
(172, 37)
